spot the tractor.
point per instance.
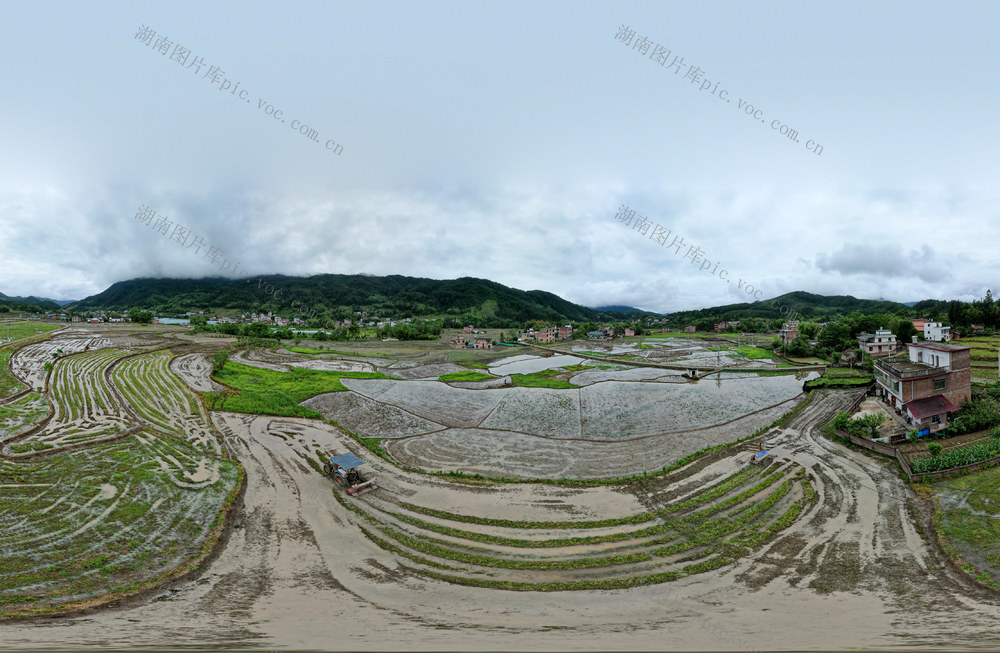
(344, 471)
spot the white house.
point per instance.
(934, 331)
(883, 343)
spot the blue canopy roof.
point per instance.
(346, 460)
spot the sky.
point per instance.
(505, 140)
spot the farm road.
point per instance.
(297, 573)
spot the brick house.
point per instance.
(789, 331)
(629, 333)
(565, 332)
(689, 329)
(928, 384)
(468, 329)
(882, 343)
(546, 334)
(919, 324)
(483, 343)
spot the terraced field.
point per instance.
(983, 357)
(705, 530)
(120, 486)
(28, 362)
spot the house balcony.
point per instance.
(901, 367)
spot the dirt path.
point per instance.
(297, 573)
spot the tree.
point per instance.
(873, 421)
(905, 330)
(800, 346)
(809, 329)
(836, 336)
(140, 316)
(219, 360)
(934, 449)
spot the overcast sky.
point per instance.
(499, 140)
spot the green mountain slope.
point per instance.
(330, 294)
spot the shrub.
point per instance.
(934, 449)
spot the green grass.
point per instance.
(542, 379)
(754, 353)
(267, 392)
(312, 350)
(468, 375)
(8, 384)
(841, 378)
(25, 329)
(972, 529)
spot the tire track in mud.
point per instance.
(298, 578)
(867, 535)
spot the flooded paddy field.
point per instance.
(821, 547)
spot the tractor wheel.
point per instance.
(326, 469)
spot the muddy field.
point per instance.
(820, 548)
(297, 573)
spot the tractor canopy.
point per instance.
(346, 460)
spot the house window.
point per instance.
(936, 419)
(920, 357)
(940, 382)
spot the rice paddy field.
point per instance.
(561, 504)
(11, 330)
(114, 480)
(983, 357)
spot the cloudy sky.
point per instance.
(500, 140)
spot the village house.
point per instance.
(483, 343)
(629, 333)
(595, 335)
(689, 329)
(565, 332)
(882, 343)
(721, 326)
(919, 323)
(789, 331)
(459, 341)
(926, 385)
(545, 334)
(936, 332)
(468, 329)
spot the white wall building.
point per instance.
(936, 332)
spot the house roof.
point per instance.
(930, 406)
(938, 346)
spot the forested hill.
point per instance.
(802, 305)
(340, 296)
(26, 304)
